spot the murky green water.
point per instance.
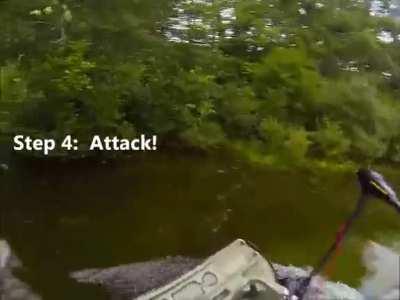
(64, 217)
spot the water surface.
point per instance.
(61, 217)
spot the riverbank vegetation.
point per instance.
(283, 82)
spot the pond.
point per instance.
(61, 217)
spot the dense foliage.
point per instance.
(280, 80)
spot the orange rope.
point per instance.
(339, 243)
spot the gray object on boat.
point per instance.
(236, 272)
(132, 280)
(12, 288)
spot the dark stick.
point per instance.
(332, 249)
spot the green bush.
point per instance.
(287, 144)
(297, 145)
(238, 110)
(206, 135)
(331, 140)
(292, 74)
(367, 116)
(292, 81)
(274, 133)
